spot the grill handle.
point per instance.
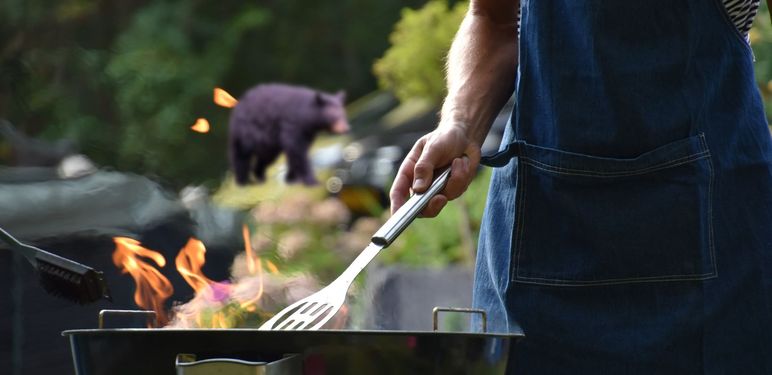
(186, 364)
(149, 314)
(436, 312)
(409, 211)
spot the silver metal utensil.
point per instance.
(314, 311)
(60, 276)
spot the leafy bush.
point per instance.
(413, 66)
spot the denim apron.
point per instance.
(628, 229)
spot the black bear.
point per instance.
(271, 118)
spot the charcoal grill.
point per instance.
(149, 351)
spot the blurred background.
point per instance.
(98, 98)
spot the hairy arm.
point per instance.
(769, 8)
(481, 66)
(480, 78)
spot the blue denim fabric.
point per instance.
(631, 233)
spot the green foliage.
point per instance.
(34, 55)
(413, 66)
(326, 44)
(761, 41)
(127, 79)
(163, 67)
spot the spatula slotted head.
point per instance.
(310, 313)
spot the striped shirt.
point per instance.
(741, 13)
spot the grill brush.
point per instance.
(60, 276)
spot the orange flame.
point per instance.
(253, 264)
(223, 99)
(189, 262)
(209, 293)
(248, 250)
(271, 267)
(201, 126)
(152, 287)
(216, 304)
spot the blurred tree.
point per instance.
(413, 66)
(50, 84)
(326, 44)
(163, 71)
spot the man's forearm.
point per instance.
(769, 8)
(482, 64)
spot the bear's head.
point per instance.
(333, 111)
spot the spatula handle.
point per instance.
(409, 211)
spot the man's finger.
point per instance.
(424, 168)
(459, 178)
(400, 189)
(472, 151)
(435, 206)
(462, 173)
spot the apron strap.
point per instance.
(502, 158)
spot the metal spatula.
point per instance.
(314, 311)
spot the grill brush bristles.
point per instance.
(60, 276)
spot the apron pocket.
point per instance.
(584, 220)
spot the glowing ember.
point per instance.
(223, 99)
(201, 126)
(152, 287)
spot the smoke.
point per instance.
(245, 301)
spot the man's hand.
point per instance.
(480, 78)
(444, 146)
